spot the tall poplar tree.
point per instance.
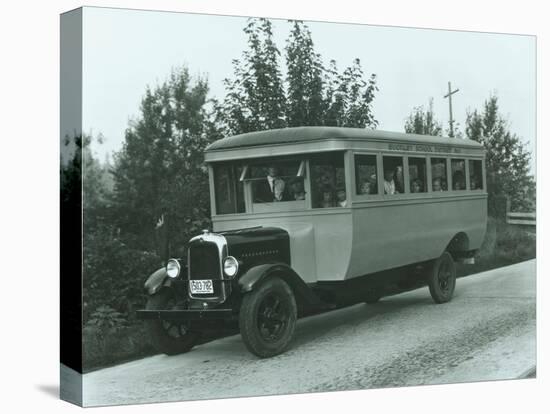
(305, 104)
(507, 160)
(255, 98)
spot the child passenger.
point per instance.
(326, 198)
(365, 187)
(416, 186)
(341, 195)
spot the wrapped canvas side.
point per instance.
(71, 207)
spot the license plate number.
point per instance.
(201, 286)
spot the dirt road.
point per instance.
(487, 332)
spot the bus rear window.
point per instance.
(476, 178)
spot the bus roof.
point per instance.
(318, 133)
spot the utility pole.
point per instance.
(449, 95)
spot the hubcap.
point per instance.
(444, 277)
(273, 314)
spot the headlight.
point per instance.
(173, 268)
(230, 266)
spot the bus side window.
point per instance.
(228, 190)
(417, 175)
(366, 179)
(439, 174)
(328, 180)
(476, 179)
(458, 168)
(393, 175)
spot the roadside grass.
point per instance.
(104, 347)
(107, 345)
(504, 245)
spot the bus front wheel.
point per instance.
(442, 278)
(268, 317)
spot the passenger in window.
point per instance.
(297, 190)
(365, 188)
(327, 199)
(389, 183)
(271, 189)
(416, 186)
(341, 196)
(474, 183)
(459, 182)
(436, 184)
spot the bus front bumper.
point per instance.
(186, 314)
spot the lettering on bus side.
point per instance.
(424, 148)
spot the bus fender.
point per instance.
(257, 274)
(157, 280)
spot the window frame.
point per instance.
(406, 191)
(428, 175)
(302, 171)
(212, 188)
(349, 178)
(447, 169)
(483, 177)
(365, 197)
(466, 180)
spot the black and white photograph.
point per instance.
(265, 206)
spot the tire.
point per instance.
(267, 318)
(168, 337)
(442, 278)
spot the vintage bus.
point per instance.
(314, 218)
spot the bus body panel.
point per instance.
(387, 236)
(320, 242)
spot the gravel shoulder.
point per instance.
(486, 333)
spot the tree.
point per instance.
(256, 99)
(423, 122)
(160, 169)
(305, 103)
(353, 98)
(507, 161)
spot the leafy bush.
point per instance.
(103, 346)
(114, 274)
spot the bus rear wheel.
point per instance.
(442, 278)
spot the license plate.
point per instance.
(201, 286)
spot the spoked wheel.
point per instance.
(268, 317)
(442, 279)
(167, 336)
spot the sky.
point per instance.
(124, 51)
